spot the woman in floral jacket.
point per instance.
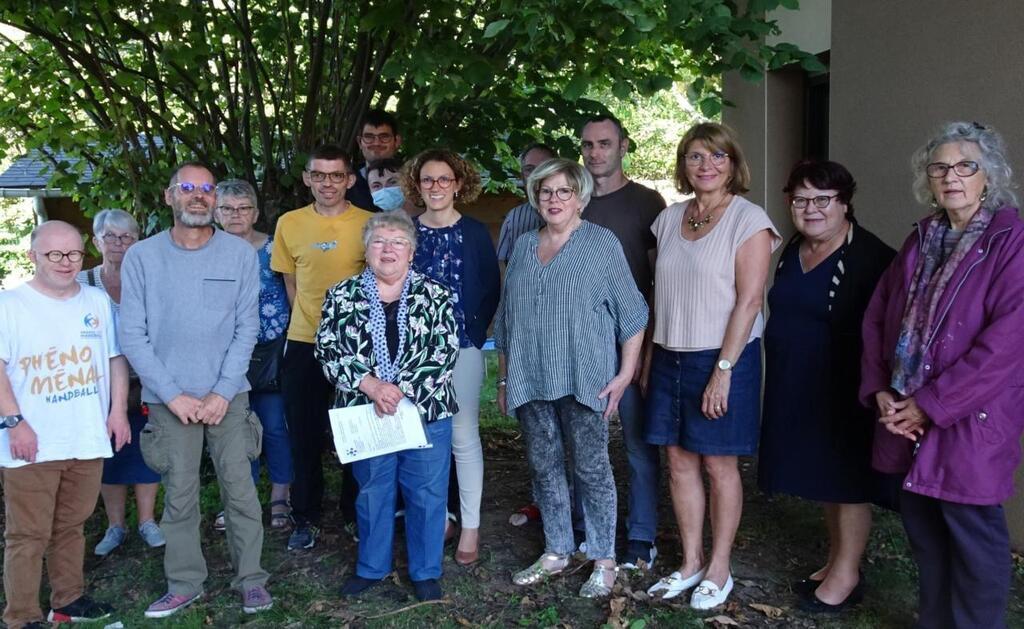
(387, 334)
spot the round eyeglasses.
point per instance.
(56, 256)
(562, 194)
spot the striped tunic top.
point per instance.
(559, 323)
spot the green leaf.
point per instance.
(576, 86)
(496, 27)
(792, 5)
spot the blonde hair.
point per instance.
(717, 137)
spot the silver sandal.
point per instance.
(595, 587)
(537, 572)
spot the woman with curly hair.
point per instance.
(457, 251)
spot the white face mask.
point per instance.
(388, 198)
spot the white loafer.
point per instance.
(675, 584)
(708, 595)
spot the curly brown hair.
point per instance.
(465, 174)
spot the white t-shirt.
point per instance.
(58, 361)
(695, 280)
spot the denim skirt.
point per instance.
(674, 395)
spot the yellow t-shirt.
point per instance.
(320, 251)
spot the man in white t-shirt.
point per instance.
(63, 396)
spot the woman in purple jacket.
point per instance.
(943, 366)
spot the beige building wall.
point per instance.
(898, 70)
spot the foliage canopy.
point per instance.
(250, 86)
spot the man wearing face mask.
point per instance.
(383, 176)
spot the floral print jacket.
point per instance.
(344, 346)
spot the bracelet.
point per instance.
(501, 382)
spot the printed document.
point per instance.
(360, 434)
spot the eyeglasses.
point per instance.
(56, 256)
(697, 159)
(124, 239)
(189, 187)
(444, 181)
(938, 170)
(562, 194)
(378, 137)
(335, 177)
(227, 210)
(397, 244)
(821, 201)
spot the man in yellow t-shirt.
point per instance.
(315, 247)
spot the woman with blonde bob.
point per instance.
(569, 299)
(704, 379)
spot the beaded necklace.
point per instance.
(387, 370)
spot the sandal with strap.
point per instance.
(595, 586)
(537, 572)
(280, 519)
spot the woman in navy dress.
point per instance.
(816, 437)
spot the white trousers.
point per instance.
(466, 447)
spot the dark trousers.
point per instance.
(307, 397)
(963, 558)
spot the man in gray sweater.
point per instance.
(188, 325)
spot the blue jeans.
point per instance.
(277, 448)
(644, 465)
(422, 475)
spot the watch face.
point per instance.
(724, 365)
(11, 421)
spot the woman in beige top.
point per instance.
(704, 374)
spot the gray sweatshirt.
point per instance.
(189, 318)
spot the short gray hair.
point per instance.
(395, 219)
(236, 188)
(992, 161)
(579, 179)
(118, 219)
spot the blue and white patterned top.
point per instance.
(274, 309)
(440, 256)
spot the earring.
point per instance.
(934, 203)
(984, 193)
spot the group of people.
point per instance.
(889, 378)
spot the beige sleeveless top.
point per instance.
(695, 281)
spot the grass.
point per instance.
(780, 539)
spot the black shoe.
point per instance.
(356, 585)
(82, 609)
(428, 590)
(814, 605)
(37, 624)
(303, 536)
(805, 587)
(640, 555)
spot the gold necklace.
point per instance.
(696, 225)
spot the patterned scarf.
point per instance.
(387, 369)
(931, 276)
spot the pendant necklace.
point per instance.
(695, 224)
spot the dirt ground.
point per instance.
(780, 540)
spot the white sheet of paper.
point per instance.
(359, 434)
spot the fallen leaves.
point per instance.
(722, 620)
(767, 610)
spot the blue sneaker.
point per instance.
(113, 538)
(303, 536)
(151, 534)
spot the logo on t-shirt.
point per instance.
(326, 245)
(59, 375)
(92, 325)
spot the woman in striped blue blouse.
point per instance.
(568, 300)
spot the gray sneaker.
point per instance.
(113, 538)
(151, 534)
(256, 599)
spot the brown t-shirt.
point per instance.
(629, 213)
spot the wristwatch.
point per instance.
(10, 421)
(725, 364)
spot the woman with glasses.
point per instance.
(817, 445)
(458, 252)
(114, 231)
(386, 334)
(943, 367)
(237, 211)
(704, 379)
(569, 299)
